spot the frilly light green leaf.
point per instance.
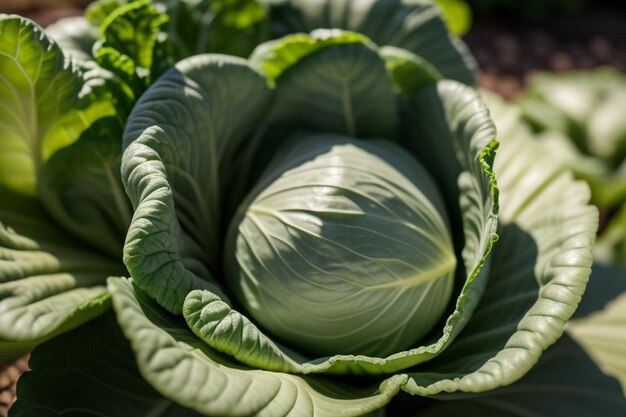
(181, 140)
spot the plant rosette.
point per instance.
(308, 231)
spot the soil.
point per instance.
(9, 374)
(509, 52)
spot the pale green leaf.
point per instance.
(586, 107)
(408, 71)
(602, 331)
(182, 367)
(449, 130)
(275, 57)
(48, 283)
(182, 139)
(539, 269)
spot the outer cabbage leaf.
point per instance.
(569, 379)
(48, 283)
(81, 187)
(565, 382)
(44, 102)
(100, 378)
(180, 366)
(539, 270)
(414, 25)
(409, 72)
(200, 109)
(599, 325)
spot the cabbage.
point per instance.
(306, 229)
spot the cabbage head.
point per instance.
(318, 226)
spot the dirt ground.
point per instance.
(509, 52)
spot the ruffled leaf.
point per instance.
(539, 270)
(48, 283)
(182, 139)
(133, 45)
(600, 324)
(182, 367)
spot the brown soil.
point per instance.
(9, 374)
(509, 52)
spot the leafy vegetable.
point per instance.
(342, 225)
(376, 243)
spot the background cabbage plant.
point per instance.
(579, 116)
(353, 128)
